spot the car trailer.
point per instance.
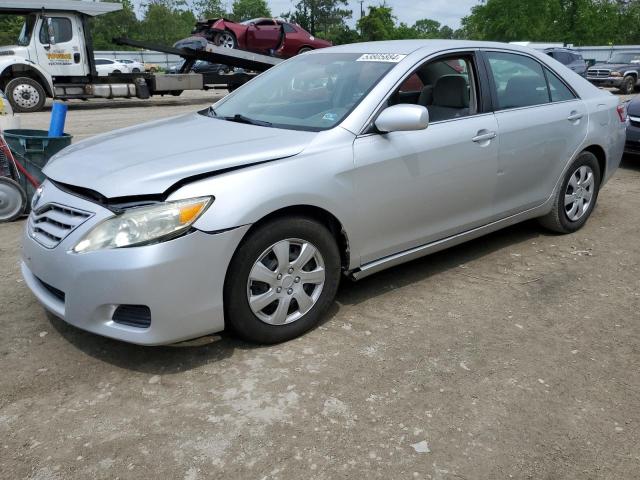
(55, 59)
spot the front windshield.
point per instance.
(625, 57)
(27, 29)
(309, 92)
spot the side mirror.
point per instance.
(402, 118)
(51, 31)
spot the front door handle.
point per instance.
(575, 116)
(484, 136)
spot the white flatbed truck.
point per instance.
(54, 58)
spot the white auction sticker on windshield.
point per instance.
(381, 57)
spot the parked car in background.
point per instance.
(633, 128)
(107, 66)
(268, 36)
(340, 162)
(152, 67)
(570, 58)
(621, 71)
(134, 65)
(200, 66)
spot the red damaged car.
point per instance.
(267, 36)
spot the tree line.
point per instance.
(578, 22)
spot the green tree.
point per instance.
(117, 24)
(378, 24)
(427, 28)
(321, 17)
(248, 9)
(210, 9)
(10, 26)
(166, 22)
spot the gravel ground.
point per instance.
(513, 356)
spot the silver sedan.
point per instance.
(340, 162)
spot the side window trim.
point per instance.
(494, 91)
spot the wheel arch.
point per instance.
(318, 214)
(601, 156)
(17, 70)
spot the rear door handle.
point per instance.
(575, 116)
(484, 137)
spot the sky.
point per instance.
(447, 12)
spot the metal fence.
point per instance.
(163, 60)
(600, 54)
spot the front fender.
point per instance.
(19, 64)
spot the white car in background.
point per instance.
(107, 66)
(134, 65)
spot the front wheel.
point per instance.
(577, 196)
(628, 85)
(281, 280)
(25, 95)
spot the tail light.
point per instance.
(622, 112)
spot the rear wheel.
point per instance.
(576, 197)
(628, 85)
(226, 39)
(25, 94)
(136, 70)
(281, 280)
(13, 200)
(304, 50)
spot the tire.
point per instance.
(176, 93)
(116, 71)
(13, 200)
(26, 95)
(563, 218)
(628, 85)
(269, 324)
(304, 50)
(225, 39)
(135, 70)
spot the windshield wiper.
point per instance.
(238, 117)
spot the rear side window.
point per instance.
(288, 28)
(61, 28)
(559, 91)
(519, 80)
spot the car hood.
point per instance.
(611, 66)
(150, 158)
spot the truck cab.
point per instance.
(51, 49)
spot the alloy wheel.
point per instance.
(226, 40)
(579, 193)
(286, 281)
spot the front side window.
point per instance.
(446, 87)
(309, 92)
(62, 30)
(519, 80)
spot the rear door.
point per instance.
(263, 35)
(541, 124)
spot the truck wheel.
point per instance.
(176, 93)
(226, 40)
(628, 85)
(25, 95)
(13, 200)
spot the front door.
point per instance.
(263, 35)
(418, 187)
(66, 56)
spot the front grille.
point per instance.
(635, 121)
(59, 294)
(51, 224)
(133, 315)
(598, 73)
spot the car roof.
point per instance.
(405, 47)
(561, 49)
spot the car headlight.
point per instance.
(616, 74)
(144, 225)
